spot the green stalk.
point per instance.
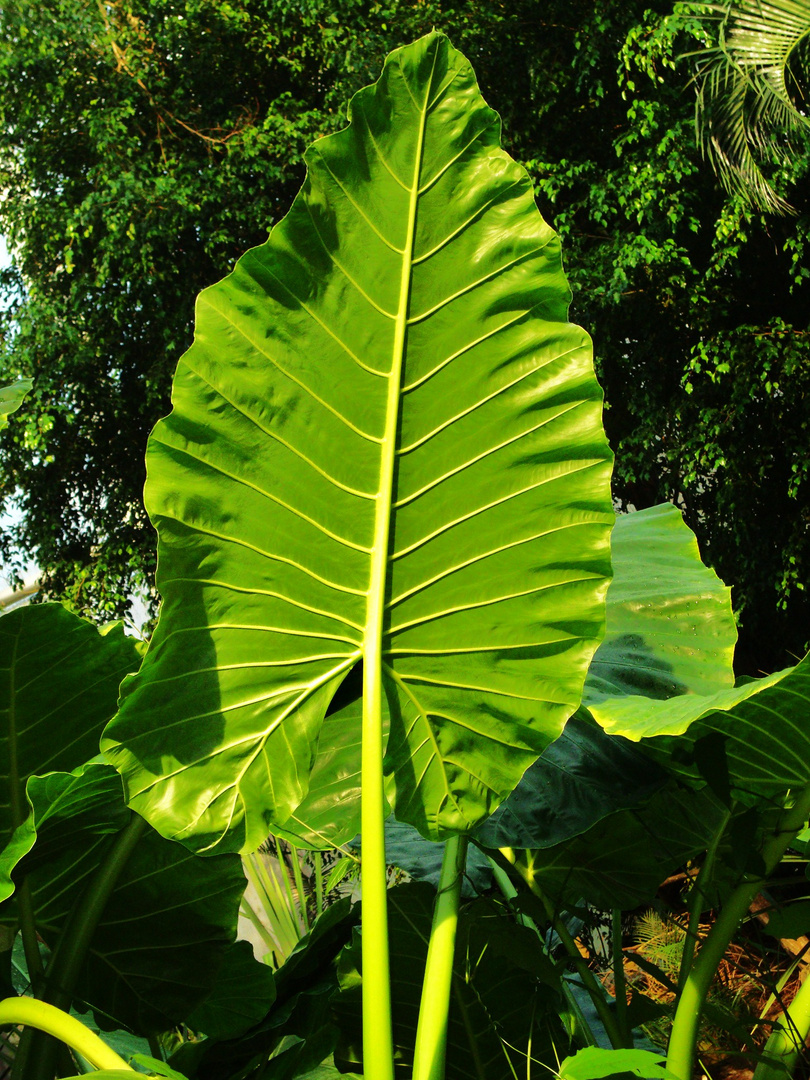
(780, 986)
(299, 885)
(785, 1044)
(619, 983)
(595, 990)
(683, 1040)
(378, 1040)
(696, 897)
(61, 1025)
(431, 1030)
(28, 932)
(581, 1031)
(74, 941)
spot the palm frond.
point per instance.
(750, 101)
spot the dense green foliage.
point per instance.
(645, 779)
(139, 160)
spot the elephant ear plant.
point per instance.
(385, 462)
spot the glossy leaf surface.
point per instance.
(761, 726)
(59, 681)
(670, 627)
(386, 443)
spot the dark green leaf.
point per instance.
(244, 991)
(59, 681)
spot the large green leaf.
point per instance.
(59, 681)
(71, 814)
(422, 859)
(385, 443)
(670, 627)
(580, 779)
(621, 861)
(168, 922)
(761, 726)
(244, 991)
(503, 997)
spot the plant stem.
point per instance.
(581, 1031)
(696, 898)
(683, 1040)
(19, 813)
(62, 1026)
(74, 941)
(30, 940)
(619, 983)
(431, 1030)
(786, 1042)
(589, 980)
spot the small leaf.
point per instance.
(790, 921)
(594, 1063)
(11, 398)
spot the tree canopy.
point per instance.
(145, 145)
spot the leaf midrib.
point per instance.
(375, 611)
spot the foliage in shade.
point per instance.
(71, 816)
(156, 950)
(305, 985)
(59, 682)
(580, 779)
(242, 996)
(621, 861)
(384, 409)
(504, 992)
(759, 729)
